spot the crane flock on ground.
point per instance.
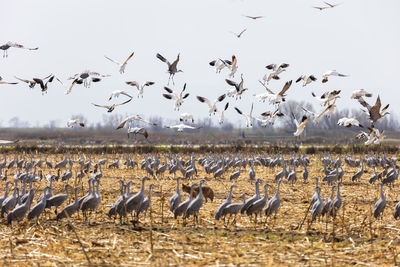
(20, 190)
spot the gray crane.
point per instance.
(39, 207)
(134, 202)
(337, 202)
(172, 68)
(317, 206)
(315, 196)
(305, 173)
(233, 208)
(396, 212)
(220, 171)
(181, 209)
(252, 172)
(71, 208)
(358, 175)
(19, 212)
(10, 202)
(176, 198)
(58, 200)
(67, 175)
(258, 205)
(90, 181)
(5, 193)
(113, 209)
(90, 202)
(252, 199)
(379, 206)
(62, 164)
(292, 177)
(195, 205)
(146, 203)
(274, 203)
(328, 205)
(228, 201)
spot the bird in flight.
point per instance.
(8, 45)
(331, 73)
(4, 82)
(181, 127)
(110, 108)
(248, 117)
(240, 34)
(72, 123)
(307, 79)
(172, 68)
(117, 93)
(212, 106)
(134, 118)
(375, 111)
(177, 97)
(328, 5)
(139, 86)
(138, 130)
(253, 17)
(42, 82)
(122, 66)
(300, 126)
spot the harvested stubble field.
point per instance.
(355, 238)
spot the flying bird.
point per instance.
(186, 117)
(110, 108)
(375, 111)
(212, 106)
(122, 66)
(360, 93)
(221, 116)
(249, 117)
(300, 126)
(220, 64)
(138, 130)
(134, 118)
(240, 34)
(177, 97)
(331, 73)
(72, 123)
(327, 97)
(86, 77)
(181, 127)
(306, 79)
(139, 86)
(8, 45)
(117, 93)
(348, 122)
(238, 86)
(277, 98)
(269, 117)
(327, 112)
(253, 17)
(4, 82)
(172, 68)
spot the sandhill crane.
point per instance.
(358, 174)
(228, 201)
(212, 106)
(315, 195)
(117, 93)
(331, 73)
(274, 203)
(379, 206)
(10, 202)
(375, 111)
(186, 117)
(258, 205)
(175, 198)
(134, 202)
(348, 122)
(337, 202)
(328, 204)
(146, 202)
(305, 173)
(8, 45)
(300, 126)
(172, 68)
(249, 117)
(235, 175)
(396, 213)
(195, 205)
(238, 35)
(122, 65)
(89, 202)
(180, 127)
(233, 208)
(360, 93)
(307, 79)
(71, 208)
(252, 172)
(134, 118)
(140, 87)
(238, 86)
(58, 200)
(252, 199)
(110, 108)
(181, 209)
(19, 212)
(318, 205)
(39, 208)
(178, 98)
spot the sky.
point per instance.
(360, 38)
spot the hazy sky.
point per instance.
(360, 38)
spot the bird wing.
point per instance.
(16, 45)
(234, 62)
(240, 34)
(239, 111)
(220, 98)
(25, 81)
(169, 90)
(251, 110)
(175, 63)
(101, 106)
(3, 82)
(70, 88)
(125, 93)
(377, 107)
(168, 96)
(122, 124)
(148, 83)
(123, 103)
(112, 60)
(128, 58)
(266, 88)
(231, 83)
(364, 103)
(295, 121)
(226, 106)
(133, 83)
(271, 66)
(302, 77)
(285, 88)
(163, 59)
(204, 100)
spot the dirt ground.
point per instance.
(354, 238)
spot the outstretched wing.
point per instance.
(126, 60)
(123, 103)
(204, 100)
(220, 98)
(163, 59)
(112, 60)
(133, 83)
(285, 88)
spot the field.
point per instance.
(353, 238)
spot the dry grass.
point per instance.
(355, 238)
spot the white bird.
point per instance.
(360, 93)
(220, 64)
(110, 108)
(212, 106)
(122, 66)
(139, 86)
(8, 45)
(306, 79)
(221, 116)
(327, 97)
(249, 117)
(134, 118)
(238, 86)
(331, 73)
(72, 123)
(276, 70)
(138, 130)
(269, 117)
(186, 117)
(177, 97)
(86, 77)
(181, 127)
(117, 93)
(374, 136)
(300, 126)
(232, 66)
(277, 98)
(348, 122)
(327, 112)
